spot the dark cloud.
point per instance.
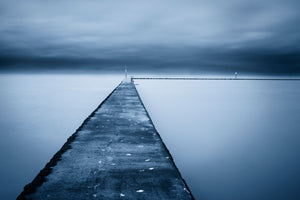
(218, 36)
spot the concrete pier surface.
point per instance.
(115, 154)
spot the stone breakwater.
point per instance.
(115, 154)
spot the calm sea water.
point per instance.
(230, 139)
(37, 115)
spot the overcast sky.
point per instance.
(260, 36)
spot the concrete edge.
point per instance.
(168, 152)
(41, 177)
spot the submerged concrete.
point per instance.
(115, 154)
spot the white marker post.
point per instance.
(125, 72)
(126, 80)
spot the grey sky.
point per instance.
(153, 32)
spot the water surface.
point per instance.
(37, 115)
(230, 139)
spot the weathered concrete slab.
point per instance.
(115, 154)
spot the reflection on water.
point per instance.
(230, 139)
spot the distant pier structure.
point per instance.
(115, 154)
(125, 71)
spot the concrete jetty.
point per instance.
(115, 154)
(214, 79)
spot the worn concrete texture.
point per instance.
(115, 154)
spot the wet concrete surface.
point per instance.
(115, 154)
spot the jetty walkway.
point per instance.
(115, 154)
